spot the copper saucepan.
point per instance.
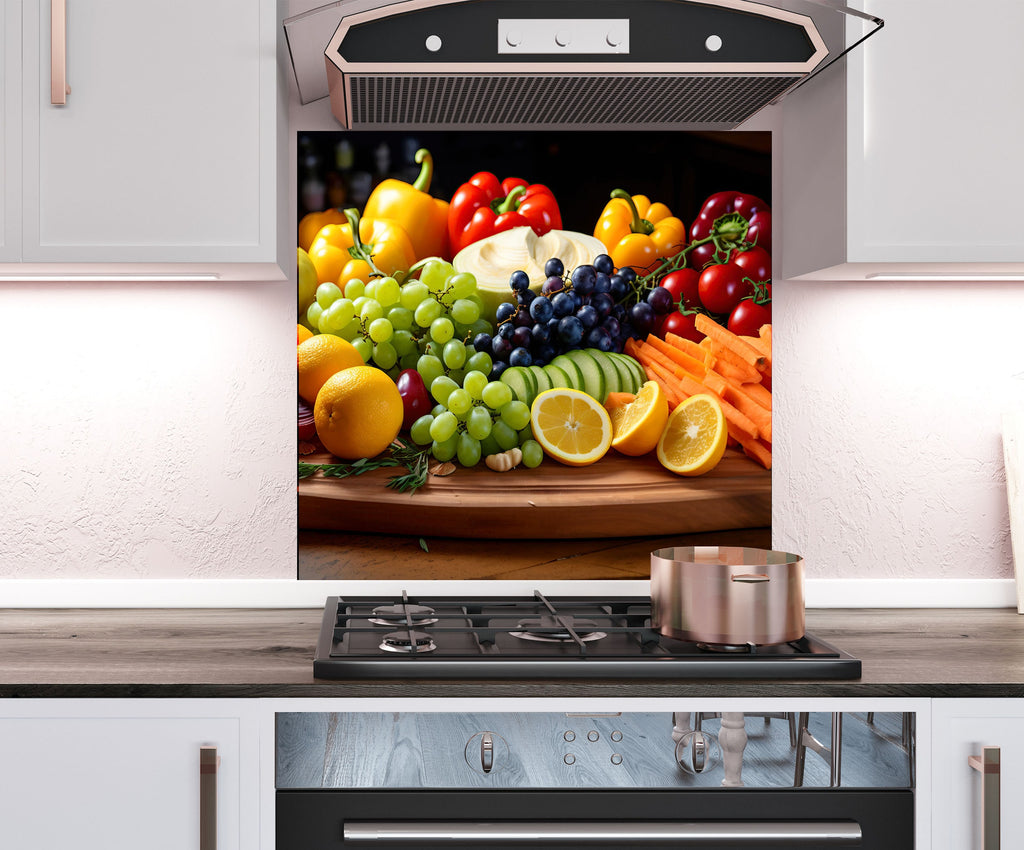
(727, 595)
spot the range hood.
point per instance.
(534, 64)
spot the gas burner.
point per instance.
(538, 629)
(408, 641)
(727, 647)
(402, 615)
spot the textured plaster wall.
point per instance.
(147, 430)
(888, 460)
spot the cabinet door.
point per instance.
(91, 776)
(10, 131)
(960, 728)
(165, 149)
(933, 140)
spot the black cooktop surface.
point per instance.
(511, 637)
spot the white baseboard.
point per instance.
(287, 593)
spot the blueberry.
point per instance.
(520, 357)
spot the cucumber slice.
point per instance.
(593, 377)
(639, 375)
(521, 382)
(557, 376)
(541, 379)
(627, 380)
(612, 384)
(572, 371)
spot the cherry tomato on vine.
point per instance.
(756, 262)
(679, 325)
(682, 285)
(722, 287)
(747, 317)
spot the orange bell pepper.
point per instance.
(381, 247)
(424, 217)
(637, 233)
(312, 223)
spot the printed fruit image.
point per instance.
(307, 283)
(302, 334)
(694, 438)
(358, 413)
(637, 421)
(320, 357)
(571, 426)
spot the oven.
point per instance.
(427, 780)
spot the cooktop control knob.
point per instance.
(486, 752)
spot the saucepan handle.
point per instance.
(751, 578)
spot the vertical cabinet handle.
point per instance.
(59, 88)
(208, 763)
(987, 764)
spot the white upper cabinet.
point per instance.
(169, 146)
(919, 169)
(10, 138)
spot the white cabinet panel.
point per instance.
(124, 775)
(10, 132)
(168, 146)
(960, 728)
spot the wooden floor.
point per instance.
(341, 555)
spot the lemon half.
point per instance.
(571, 426)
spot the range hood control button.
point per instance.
(713, 43)
(513, 38)
(563, 38)
(433, 43)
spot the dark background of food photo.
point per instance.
(680, 169)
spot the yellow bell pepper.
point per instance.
(424, 217)
(382, 247)
(312, 223)
(637, 233)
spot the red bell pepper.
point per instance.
(484, 206)
(756, 212)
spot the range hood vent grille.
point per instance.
(547, 101)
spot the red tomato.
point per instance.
(701, 256)
(682, 284)
(416, 401)
(675, 322)
(747, 317)
(756, 262)
(722, 287)
(760, 230)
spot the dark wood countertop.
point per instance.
(269, 653)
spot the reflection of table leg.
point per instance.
(680, 725)
(733, 738)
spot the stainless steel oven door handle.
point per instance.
(696, 834)
(987, 764)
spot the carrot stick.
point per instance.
(759, 393)
(714, 331)
(687, 346)
(691, 364)
(766, 334)
(746, 405)
(758, 451)
(739, 372)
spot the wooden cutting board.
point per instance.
(615, 497)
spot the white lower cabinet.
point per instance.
(962, 729)
(127, 774)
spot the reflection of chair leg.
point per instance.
(832, 753)
(906, 741)
(789, 716)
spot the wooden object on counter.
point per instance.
(1013, 463)
(618, 495)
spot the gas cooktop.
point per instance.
(512, 637)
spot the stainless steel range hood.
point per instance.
(533, 64)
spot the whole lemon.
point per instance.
(358, 413)
(307, 283)
(321, 356)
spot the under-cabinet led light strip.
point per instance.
(93, 276)
(943, 276)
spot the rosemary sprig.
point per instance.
(402, 453)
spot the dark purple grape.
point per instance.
(554, 267)
(603, 263)
(570, 330)
(544, 354)
(552, 284)
(602, 282)
(523, 319)
(588, 317)
(660, 299)
(562, 304)
(519, 281)
(613, 326)
(525, 297)
(619, 287)
(600, 338)
(482, 342)
(541, 309)
(642, 317)
(504, 311)
(540, 333)
(497, 367)
(602, 302)
(628, 273)
(521, 337)
(520, 357)
(583, 279)
(500, 348)
(505, 331)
